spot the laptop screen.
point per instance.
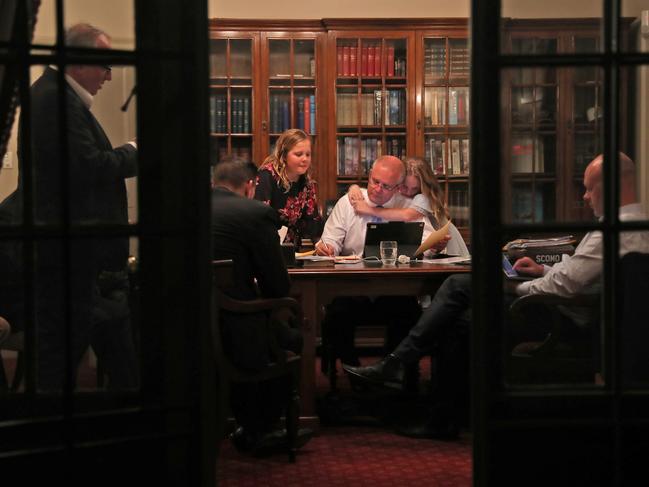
(511, 273)
(406, 234)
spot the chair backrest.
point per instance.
(634, 331)
(222, 273)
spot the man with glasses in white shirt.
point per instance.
(344, 232)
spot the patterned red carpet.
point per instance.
(354, 456)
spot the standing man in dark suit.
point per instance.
(245, 230)
(78, 179)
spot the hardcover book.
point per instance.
(346, 54)
(352, 61)
(390, 61)
(364, 54)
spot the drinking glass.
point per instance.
(388, 250)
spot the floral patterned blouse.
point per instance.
(297, 208)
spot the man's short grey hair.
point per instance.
(83, 35)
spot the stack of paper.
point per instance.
(527, 243)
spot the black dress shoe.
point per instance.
(434, 429)
(241, 440)
(277, 441)
(389, 372)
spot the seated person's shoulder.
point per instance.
(420, 201)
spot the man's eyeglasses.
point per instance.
(107, 67)
(381, 185)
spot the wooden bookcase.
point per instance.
(552, 121)
(277, 70)
(361, 111)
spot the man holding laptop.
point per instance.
(344, 232)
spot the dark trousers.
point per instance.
(443, 332)
(112, 337)
(450, 307)
(92, 318)
(397, 313)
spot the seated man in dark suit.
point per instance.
(245, 231)
(448, 318)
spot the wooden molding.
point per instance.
(395, 24)
(266, 25)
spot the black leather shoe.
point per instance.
(241, 440)
(389, 372)
(431, 429)
(277, 441)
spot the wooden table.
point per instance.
(316, 286)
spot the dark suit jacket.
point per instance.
(95, 175)
(246, 231)
(95, 171)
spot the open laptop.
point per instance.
(511, 273)
(406, 234)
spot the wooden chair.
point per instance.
(284, 363)
(560, 357)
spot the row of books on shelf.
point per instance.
(435, 61)
(450, 157)
(366, 61)
(355, 156)
(528, 155)
(458, 206)
(239, 114)
(460, 62)
(386, 105)
(435, 106)
(305, 113)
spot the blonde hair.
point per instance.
(287, 140)
(430, 187)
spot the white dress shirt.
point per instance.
(345, 230)
(580, 273)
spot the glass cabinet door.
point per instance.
(585, 127)
(444, 120)
(231, 98)
(292, 87)
(532, 100)
(371, 104)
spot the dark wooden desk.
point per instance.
(316, 287)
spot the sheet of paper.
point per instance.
(433, 238)
(304, 254)
(347, 259)
(315, 258)
(282, 234)
(449, 260)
